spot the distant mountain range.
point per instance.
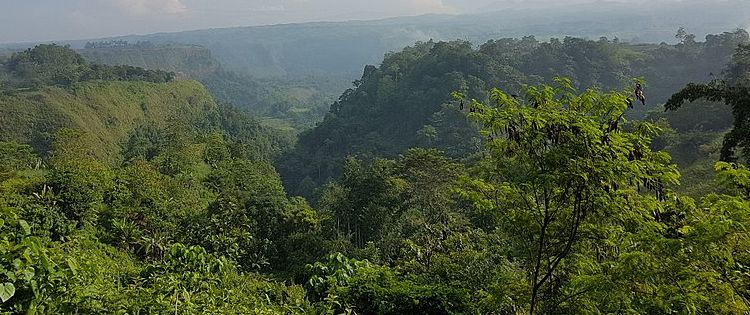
(343, 48)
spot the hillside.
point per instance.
(291, 73)
(192, 221)
(406, 101)
(106, 111)
(290, 104)
(113, 167)
(49, 88)
(519, 176)
(194, 61)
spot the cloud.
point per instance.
(153, 7)
(267, 8)
(362, 9)
(430, 5)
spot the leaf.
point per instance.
(7, 291)
(25, 226)
(28, 274)
(685, 230)
(73, 266)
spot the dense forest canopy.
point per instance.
(61, 66)
(297, 101)
(289, 74)
(734, 91)
(509, 178)
(405, 102)
(51, 87)
(93, 170)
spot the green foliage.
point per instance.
(733, 178)
(216, 150)
(145, 197)
(129, 171)
(251, 221)
(133, 115)
(299, 102)
(77, 178)
(248, 138)
(735, 93)
(144, 142)
(15, 157)
(61, 66)
(143, 209)
(186, 280)
(46, 64)
(364, 200)
(186, 223)
(404, 214)
(569, 182)
(180, 280)
(347, 286)
(32, 274)
(405, 102)
(107, 110)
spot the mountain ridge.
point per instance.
(315, 47)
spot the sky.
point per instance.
(42, 20)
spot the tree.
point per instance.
(144, 142)
(684, 37)
(14, 156)
(78, 180)
(562, 174)
(216, 149)
(63, 66)
(34, 275)
(719, 241)
(738, 71)
(364, 199)
(46, 64)
(734, 91)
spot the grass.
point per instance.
(107, 111)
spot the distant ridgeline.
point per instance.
(61, 66)
(342, 48)
(405, 102)
(50, 87)
(298, 103)
(118, 43)
(191, 60)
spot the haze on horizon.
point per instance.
(46, 20)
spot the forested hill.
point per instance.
(291, 104)
(108, 112)
(291, 73)
(405, 102)
(191, 60)
(49, 88)
(105, 171)
(130, 191)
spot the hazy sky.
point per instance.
(39, 20)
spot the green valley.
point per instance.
(236, 171)
(289, 104)
(406, 101)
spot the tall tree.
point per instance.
(561, 175)
(734, 91)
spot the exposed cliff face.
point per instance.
(187, 60)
